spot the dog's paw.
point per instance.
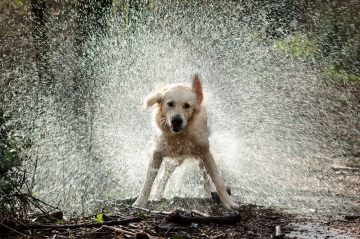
(140, 206)
(139, 203)
(231, 205)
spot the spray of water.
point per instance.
(272, 120)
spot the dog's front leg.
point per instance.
(155, 163)
(207, 180)
(213, 171)
(169, 167)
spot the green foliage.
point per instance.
(59, 222)
(350, 55)
(332, 39)
(141, 213)
(12, 177)
(165, 205)
(338, 74)
(9, 158)
(336, 33)
(297, 45)
(99, 218)
(19, 5)
(334, 25)
(19, 2)
(337, 68)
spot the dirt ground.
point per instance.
(212, 221)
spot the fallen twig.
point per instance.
(109, 223)
(161, 213)
(141, 208)
(152, 212)
(169, 227)
(229, 219)
(137, 235)
(12, 229)
(17, 221)
(200, 213)
(345, 168)
(351, 218)
(119, 230)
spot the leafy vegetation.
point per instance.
(12, 178)
(331, 38)
(300, 46)
(297, 45)
(98, 218)
(336, 73)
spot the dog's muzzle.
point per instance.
(176, 124)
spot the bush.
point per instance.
(331, 38)
(297, 45)
(11, 176)
(336, 32)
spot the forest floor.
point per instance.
(179, 218)
(212, 221)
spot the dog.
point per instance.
(180, 123)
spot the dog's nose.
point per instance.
(176, 121)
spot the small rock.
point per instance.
(53, 217)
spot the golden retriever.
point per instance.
(181, 132)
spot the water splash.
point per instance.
(272, 119)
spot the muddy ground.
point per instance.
(212, 221)
(179, 218)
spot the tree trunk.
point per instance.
(132, 16)
(40, 41)
(91, 24)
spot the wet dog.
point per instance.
(180, 122)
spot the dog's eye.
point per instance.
(186, 106)
(170, 104)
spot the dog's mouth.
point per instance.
(175, 129)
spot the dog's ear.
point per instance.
(155, 97)
(197, 89)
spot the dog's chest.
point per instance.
(176, 146)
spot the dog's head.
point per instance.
(177, 104)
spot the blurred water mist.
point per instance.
(274, 124)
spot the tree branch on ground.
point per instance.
(180, 219)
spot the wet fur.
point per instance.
(190, 142)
